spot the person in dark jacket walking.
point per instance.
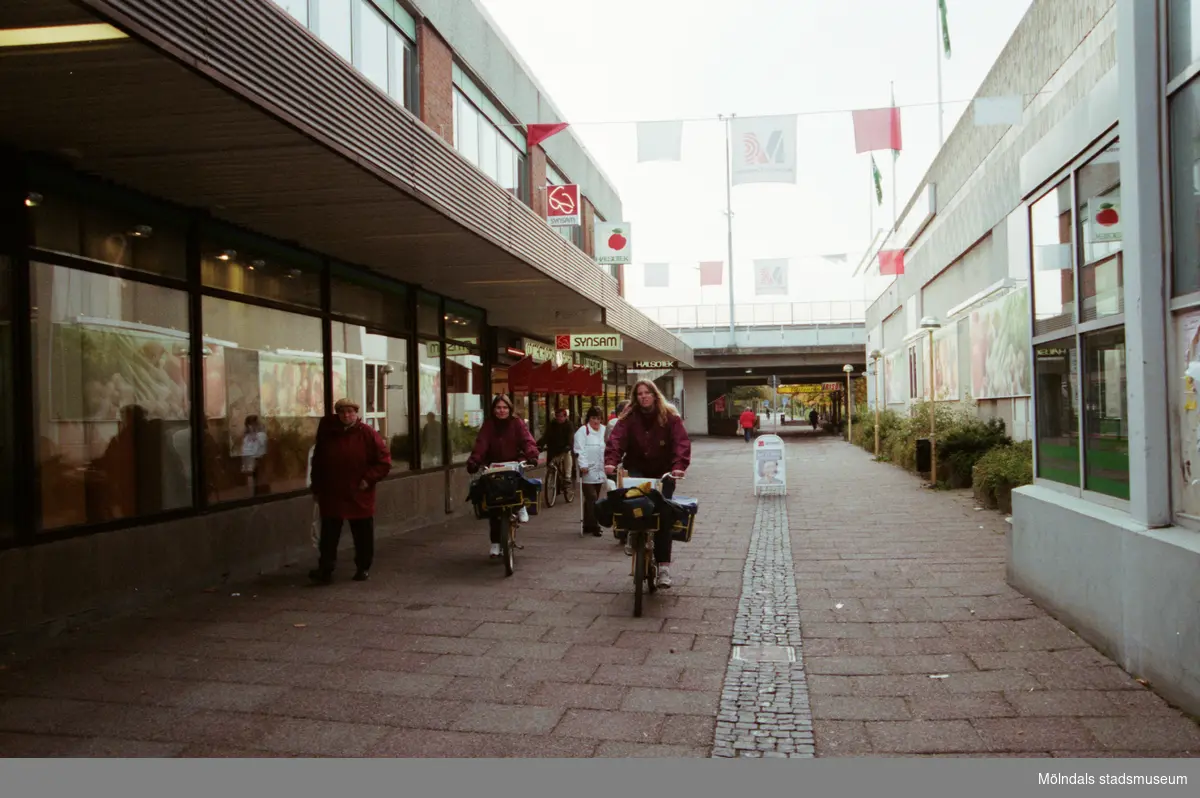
(348, 460)
(503, 438)
(651, 439)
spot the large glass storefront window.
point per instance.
(1057, 400)
(7, 456)
(249, 265)
(1185, 188)
(1106, 414)
(1053, 269)
(264, 394)
(1184, 36)
(376, 368)
(112, 397)
(429, 397)
(1101, 278)
(465, 395)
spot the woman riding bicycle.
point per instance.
(503, 438)
(651, 439)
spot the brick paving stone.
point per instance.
(689, 730)
(584, 696)
(854, 708)
(608, 725)
(506, 719)
(670, 702)
(635, 751)
(1018, 734)
(413, 743)
(925, 736)
(1063, 703)
(321, 738)
(963, 706)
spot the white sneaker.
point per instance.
(495, 550)
(628, 549)
(523, 516)
(664, 576)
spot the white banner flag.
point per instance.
(771, 277)
(999, 110)
(660, 141)
(764, 149)
(658, 275)
(613, 242)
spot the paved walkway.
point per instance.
(440, 655)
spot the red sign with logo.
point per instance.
(562, 205)
(562, 342)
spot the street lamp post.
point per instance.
(875, 356)
(930, 323)
(849, 410)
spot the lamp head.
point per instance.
(930, 323)
(848, 368)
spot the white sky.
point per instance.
(609, 63)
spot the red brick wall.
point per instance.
(537, 180)
(437, 81)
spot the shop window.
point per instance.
(1184, 35)
(333, 25)
(264, 395)
(101, 227)
(1185, 188)
(1101, 279)
(112, 390)
(466, 397)
(429, 395)
(246, 264)
(466, 128)
(540, 414)
(1106, 414)
(1053, 270)
(1057, 403)
(1186, 406)
(403, 82)
(428, 315)
(297, 8)
(371, 54)
(376, 369)
(375, 301)
(463, 323)
(7, 459)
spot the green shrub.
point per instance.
(962, 446)
(1001, 470)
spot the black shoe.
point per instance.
(597, 533)
(320, 577)
(361, 576)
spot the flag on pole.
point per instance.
(712, 272)
(764, 149)
(877, 129)
(540, 132)
(771, 277)
(891, 261)
(878, 182)
(999, 110)
(659, 141)
(945, 28)
(658, 275)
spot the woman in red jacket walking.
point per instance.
(503, 438)
(348, 460)
(651, 439)
(747, 421)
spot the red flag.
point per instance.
(711, 272)
(539, 133)
(877, 129)
(891, 261)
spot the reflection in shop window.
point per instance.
(248, 265)
(429, 394)
(264, 395)
(372, 57)
(1185, 188)
(333, 26)
(1106, 417)
(1101, 279)
(377, 378)
(466, 398)
(1053, 272)
(1057, 402)
(6, 406)
(1184, 35)
(111, 364)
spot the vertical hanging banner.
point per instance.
(712, 273)
(613, 243)
(764, 149)
(562, 206)
(771, 277)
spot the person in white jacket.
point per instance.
(589, 448)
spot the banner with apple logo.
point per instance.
(613, 243)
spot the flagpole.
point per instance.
(871, 197)
(729, 222)
(895, 155)
(937, 12)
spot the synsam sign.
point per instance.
(596, 343)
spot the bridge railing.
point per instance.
(775, 314)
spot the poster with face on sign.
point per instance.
(770, 469)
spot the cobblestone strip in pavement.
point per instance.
(764, 704)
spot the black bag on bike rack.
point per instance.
(633, 510)
(681, 513)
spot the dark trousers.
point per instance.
(363, 530)
(662, 538)
(591, 494)
(749, 431)
(494, 528)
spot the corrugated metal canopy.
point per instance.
(126, 111)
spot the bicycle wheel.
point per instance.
(651, 566)
(508, 532)
(639, 573)
(569, 490)
(551, 486)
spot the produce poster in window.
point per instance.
(97, 370)
(895, 377)
(1000, 347)
(945, 372)
(1187, 329)
(291, 386)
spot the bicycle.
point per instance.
(643, 568)
(508, 512)
(553, 476)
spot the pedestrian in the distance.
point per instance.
(348, 460)
(747, 422)
(589, 447)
